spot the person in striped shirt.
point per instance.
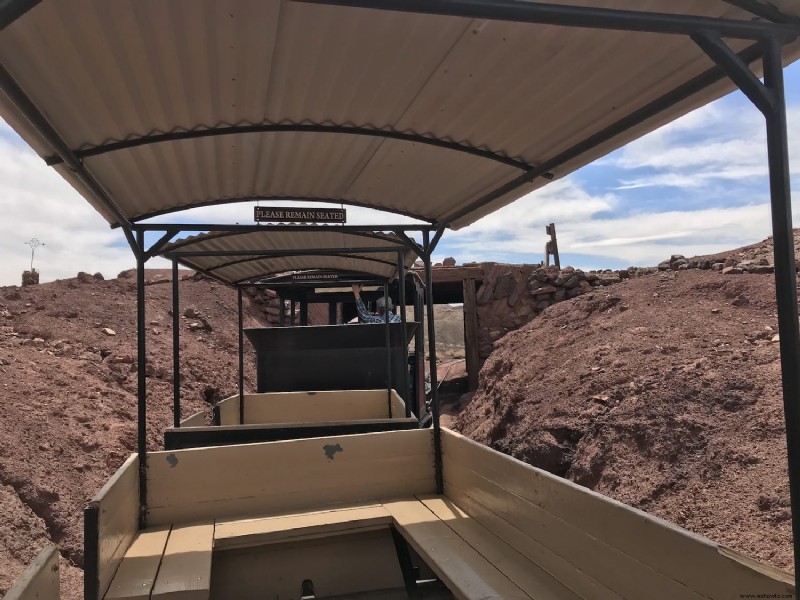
(369, 317)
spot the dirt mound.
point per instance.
(68, 377)
(662, 392)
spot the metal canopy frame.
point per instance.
(176, 256)
(768, 97)
(768, 38)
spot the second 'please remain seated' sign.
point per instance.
(282, 214)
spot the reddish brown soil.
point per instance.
(69, 398)
(662, 392)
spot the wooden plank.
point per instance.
(137, 573)
(526, 575)
(198, 419)
(256, 532)
(117, 505)
(398, 406)
(229, 410)
(615, 570)
(308, 407)
(289, 476)
(691, 560)
(558, 566)
(456, 274)
(465, 572)
(40, 581)
(199, 437)
(471, 334)
(185, 572)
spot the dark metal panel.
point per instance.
(200, 437)
(291, 128)
(576, 16)
(328, 357)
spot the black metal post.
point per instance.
(419, 354)
(437, 432)
(401, 278)
(282, 314)
(141, 386)
(176, 349)
(303, 312)
(785, 277)
(388, 347)
(241, 356)
(292, 306)
(331, 313)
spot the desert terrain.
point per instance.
(662, 391)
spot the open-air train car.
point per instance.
(435, 110)
(311, 380)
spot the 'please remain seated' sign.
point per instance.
(282, 214)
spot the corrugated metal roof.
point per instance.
(104, 71)
(244, 260)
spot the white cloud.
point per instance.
(36, 202)
(731, 147)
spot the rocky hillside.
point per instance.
(661, 391)
(68, 377)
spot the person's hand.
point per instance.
(357, 289)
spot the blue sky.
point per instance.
(695, 186)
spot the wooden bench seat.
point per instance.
(137, 573)
(185, 572)
(472, 561)
(166, 562)
(257, 532)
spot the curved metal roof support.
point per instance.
(210, 227)
(290, 128)
(365, 234)
(159, 213)
(522, 11)
(260, 257)
(785, 276)
(679, 94)
(272, 253)
(410, 244)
